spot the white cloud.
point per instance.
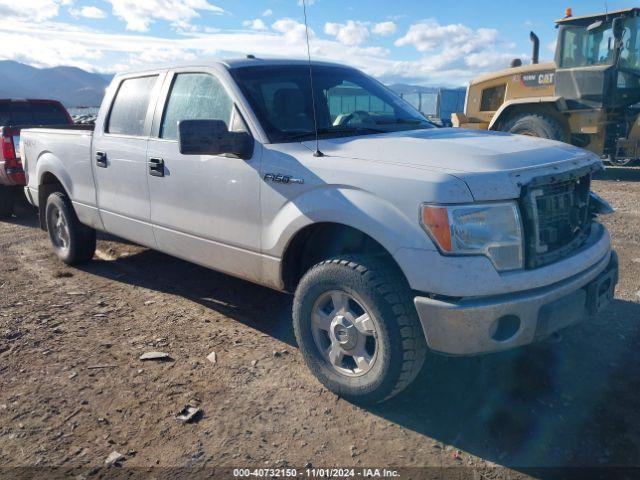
(309, 2)
(88, 12)
(292, 30)
(456, 47)
(384, 28)
(455, 51)
(429, 35)
(53, 43)
(352, 33)
(162, 54)
(267, 13)
(33, 10)
(449, 54)
(256, 24)
(50, 52)
(138, 15)
(490, 60)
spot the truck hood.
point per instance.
(494, 165)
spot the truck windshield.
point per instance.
(348, 103)
(23, 113)
(582, 47)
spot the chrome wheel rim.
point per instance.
(345, 333)
(59, 229)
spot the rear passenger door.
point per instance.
(204, 208)
(120, 160)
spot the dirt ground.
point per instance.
(73, 390)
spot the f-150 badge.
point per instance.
(285, 179)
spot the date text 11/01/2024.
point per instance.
(316, 473)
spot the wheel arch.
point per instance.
(340, 220)
(321, 241)
(554, 106)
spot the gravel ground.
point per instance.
(73, 390)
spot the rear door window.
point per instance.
(129, 111)
(195, 96)
(32, 113)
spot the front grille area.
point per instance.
(556, 218)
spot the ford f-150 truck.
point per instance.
(396, 237)
(14, 115)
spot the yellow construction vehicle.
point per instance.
(589, 96)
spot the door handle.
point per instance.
(156, 167)
(101, 159)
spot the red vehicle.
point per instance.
(15, 115)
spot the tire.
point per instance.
(536, 125)
(376, 287)
(73, 242)
(7, 201)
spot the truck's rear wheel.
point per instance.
(536, 125)
(7, 201)
(73, 242)
(358, 329)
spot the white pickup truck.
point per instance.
(395, 236)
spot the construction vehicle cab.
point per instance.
(588, 97)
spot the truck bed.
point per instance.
(64, 150)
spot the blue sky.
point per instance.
(424, 42)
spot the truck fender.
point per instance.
(355, 208)
(49, 163)
(46, 164)
(503, 111)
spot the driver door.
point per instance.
(204, 208)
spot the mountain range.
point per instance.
(75, 87)
(72, 86)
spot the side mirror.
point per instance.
(618, 28)
(212, 137)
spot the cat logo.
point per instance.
(538, 79)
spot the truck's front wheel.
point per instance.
(536, 125)
(73, 242)
(358, 329)
(7, 201)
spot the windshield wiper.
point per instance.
(347, 130)
(403, 121)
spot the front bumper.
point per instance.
(475, 326)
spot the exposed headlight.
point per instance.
(493, 230)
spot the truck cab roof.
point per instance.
(271, 62)
(234, 63)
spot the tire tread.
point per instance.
(84, 245)
(557, 132)
(389, 283)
